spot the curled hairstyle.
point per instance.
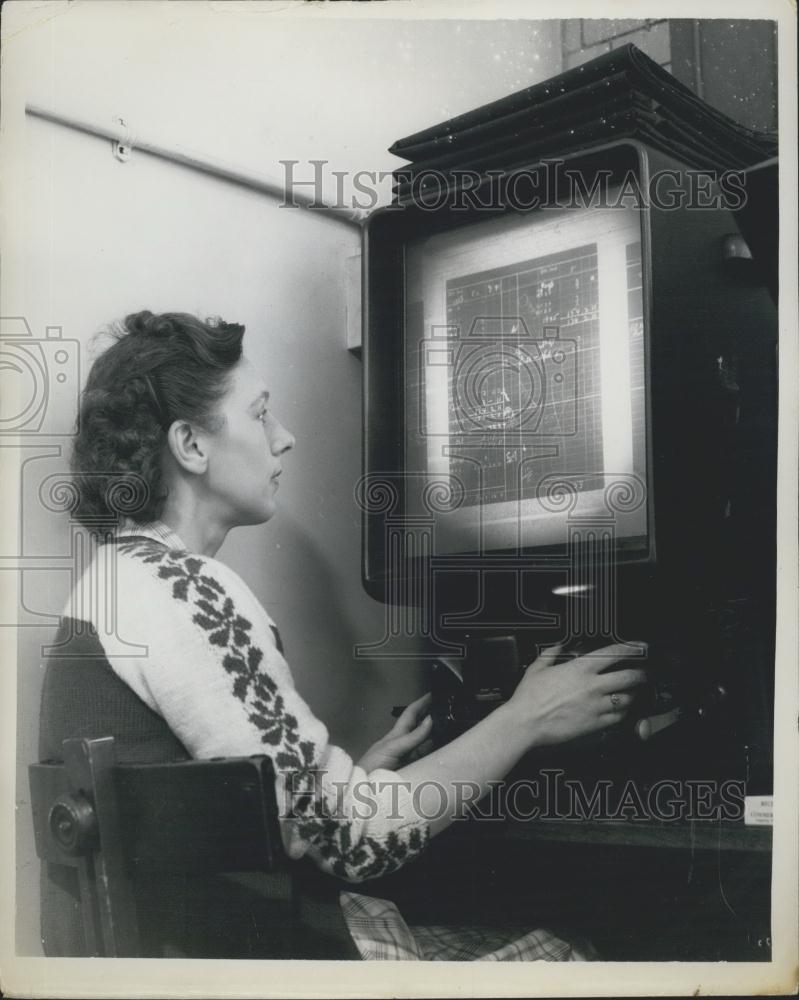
(159, 369)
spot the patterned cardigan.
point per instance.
(192, 642)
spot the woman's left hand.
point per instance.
(407, 740)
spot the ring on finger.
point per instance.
(615, 699)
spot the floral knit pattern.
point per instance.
(230, 635)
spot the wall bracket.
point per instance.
(122, 147)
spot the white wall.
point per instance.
(90, 239)
(259, 87)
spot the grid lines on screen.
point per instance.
(524, 383)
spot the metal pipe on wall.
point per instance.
(120, 134)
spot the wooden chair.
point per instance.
(131, 830)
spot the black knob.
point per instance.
(73, 824)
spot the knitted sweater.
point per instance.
(191, 640)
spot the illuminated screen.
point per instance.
(525, 379)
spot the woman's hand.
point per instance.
(556, 703)
(407, 740)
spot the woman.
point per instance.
(176, 422)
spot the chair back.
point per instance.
(112, 821)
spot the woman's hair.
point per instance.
(159, 369)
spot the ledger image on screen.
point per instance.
(524, 362)
(530, 380)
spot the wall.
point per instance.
(94, 239)
(730, 64)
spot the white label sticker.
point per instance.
(759, 810)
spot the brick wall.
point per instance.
(587, 38)
(729, 64)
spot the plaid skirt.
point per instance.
(380, 933)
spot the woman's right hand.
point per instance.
(558, 702)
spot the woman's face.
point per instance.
(245, 455)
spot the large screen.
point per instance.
(525, 387)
